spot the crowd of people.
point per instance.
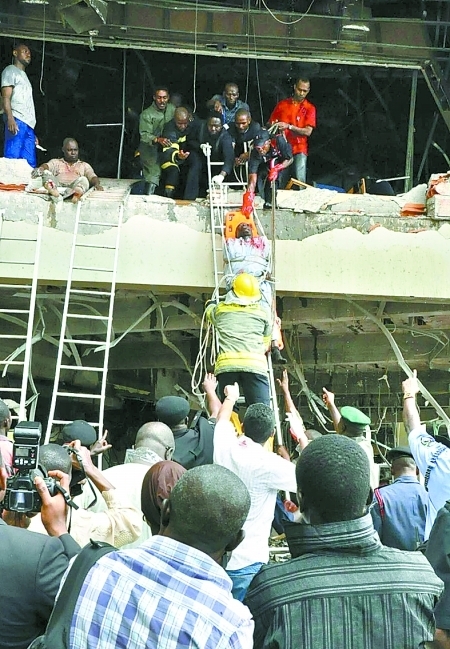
(191, 509)
(173, 141)
(190, 513)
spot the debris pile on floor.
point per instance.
(14, 173)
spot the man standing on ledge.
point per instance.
(296, 116)
(20, 118)
(151, 125)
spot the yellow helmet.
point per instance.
(247, 286)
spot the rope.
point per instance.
(289, 22)
(195, 58)
(43, 54)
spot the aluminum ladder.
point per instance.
(72, 311)
(21, 316)
(218, 207)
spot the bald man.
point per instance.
(173, 592)
(180, 160)
(154, 443)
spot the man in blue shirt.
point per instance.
(172, 591)
(399, 510)
(228, 103)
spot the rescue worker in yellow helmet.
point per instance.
(243, 325)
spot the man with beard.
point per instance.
(213, 134)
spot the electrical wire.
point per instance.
(289, 22)
(257, 73)
(43, 54)
(194, 91)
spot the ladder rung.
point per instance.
(17, 262)
(13, 336)
(95, 245)
(80, 395)
(75, 341)
(82, 291)
(81, 368)
(94, 269)
(18, 240)
(14, 310)
(21, 286)
(98, 223)
(11, 362)
(69, 421)
(87, 317)
(10, 389)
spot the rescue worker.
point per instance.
(183, 151)
(243, 324)
(267, 159)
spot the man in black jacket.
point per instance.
(268, 158)
(181, 154)
(212, 134)
(31, 567)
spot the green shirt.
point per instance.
(152, 122)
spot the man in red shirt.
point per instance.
(296, 116)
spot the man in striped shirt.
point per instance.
(342, 589)
(172, 591)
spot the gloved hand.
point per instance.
(218, 180)
(247, 203)
(205, 147)
(273, 173)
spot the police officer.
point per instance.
(399, 510)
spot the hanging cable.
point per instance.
(43, 54)
(289, 22)
(257, 73)
(248, 52)
(194, 91)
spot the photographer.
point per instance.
(31, 566)
(119, 524)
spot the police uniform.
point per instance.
(433, 459)
(399, 510)
(355, 416)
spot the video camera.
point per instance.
(21, 494)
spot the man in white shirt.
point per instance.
(431, 455)
(262, 472)
(18, 104)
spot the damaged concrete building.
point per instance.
(350, 270)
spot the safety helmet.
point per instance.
(246, 286)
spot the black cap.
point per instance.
(79, 429)
(261, 138)
(172, 410)
(398, 451)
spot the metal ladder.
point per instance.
(10, 313)
(71, 313)
(218, 204)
